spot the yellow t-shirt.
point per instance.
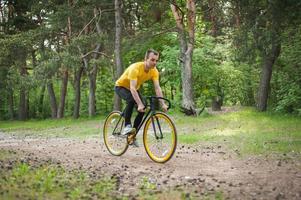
(136, 72)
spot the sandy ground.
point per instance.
(197, 169)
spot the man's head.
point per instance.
(151, 58)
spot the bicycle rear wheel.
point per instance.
(114, 141)
(160, 137)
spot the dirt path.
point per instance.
(202, 169)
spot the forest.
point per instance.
(230, 68)
(61, 58)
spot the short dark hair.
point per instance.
(149, 51)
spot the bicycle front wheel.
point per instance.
(114, 141)
(160, 137)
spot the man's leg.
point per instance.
(138, 120)
(140, 115)
(128, 112)
(126, 95)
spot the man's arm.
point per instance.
(135, 95)
(160, 94)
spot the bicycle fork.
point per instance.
(159, 126)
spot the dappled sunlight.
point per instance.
(229, 132)
(246, 131)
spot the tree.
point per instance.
(186, 51)
(117, 52)
(212, 14)
(266, 20)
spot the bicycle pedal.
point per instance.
(131, 138)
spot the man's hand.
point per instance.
(164, 107)
(140, 108)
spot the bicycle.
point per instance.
(159, 133)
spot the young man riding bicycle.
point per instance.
(127, 87)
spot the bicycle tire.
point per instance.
(115, 143)
(159, 149)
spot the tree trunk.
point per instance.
(186, 48)
(65, 73)
(77, 78)
(237, 15)
(1, 17)
(93, 74)
(41, 101)
(250, 92)
(23, 111)
(61, 109)
(187, 82)
(11, 104)
(22, 104)
(216, 103)
(52, 99)
(92, 89)
(27, 104)
(266, 75)
(212, 6)
(92, 85)
(117, 51)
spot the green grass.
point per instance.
(52, 182)
(246, 131)
(48, 181)
(67, 127)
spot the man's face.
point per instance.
(152, 60)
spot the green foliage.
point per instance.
(228, 65)
(286, 83)
(105, 90)
(147, 188)
(214, 73)
(170, 72)
(266, 25)
(289, 97)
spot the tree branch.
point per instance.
(95, 15)
(178, 17)
(177, 7)
(101, 53)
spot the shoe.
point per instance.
(135, 143)
(127, 129)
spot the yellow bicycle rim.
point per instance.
(116, 144)
(160, 149)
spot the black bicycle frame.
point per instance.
(151, 112)
(117, 124)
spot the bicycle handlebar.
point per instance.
(155, 97)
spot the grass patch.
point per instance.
(195, 138)
(248, 131)
(52, 182)
(54, 127)
(46, 124)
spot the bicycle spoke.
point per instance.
(160, 138)
(115, 143)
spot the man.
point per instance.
(127, 87)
